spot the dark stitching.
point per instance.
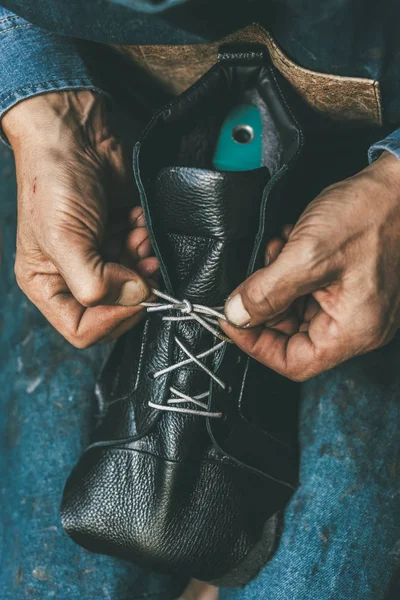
(9, 19)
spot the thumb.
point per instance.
(94, 281)
(270, 291)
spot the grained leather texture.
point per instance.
(176, 491)
(162, 531)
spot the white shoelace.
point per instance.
(208, 318)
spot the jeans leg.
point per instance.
(341, 535)
(45, 417)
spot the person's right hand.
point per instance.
(80, 259)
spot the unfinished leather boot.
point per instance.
(195, 453)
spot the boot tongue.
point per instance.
(205, 224)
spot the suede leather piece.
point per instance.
(342, 98)
(350, 38)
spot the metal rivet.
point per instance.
(243, 134)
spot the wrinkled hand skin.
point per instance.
(83, 255)
(331, 288)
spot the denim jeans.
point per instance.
(341, 532)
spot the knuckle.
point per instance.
(298, 377)
(78, 341)
(92, 295)
(321, 362)
(19, 272)
(81, 344)
(332, 188)
(305, 375)
(309, 254)
(257, 292)
(77, 336)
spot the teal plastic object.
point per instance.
(239, 146)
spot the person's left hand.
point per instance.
(331, 289)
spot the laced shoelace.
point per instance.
(207, 317)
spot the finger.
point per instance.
(81, 326)
(311, 308)
(113, 246)
(123, 328)
(149, 267)
(289, 325)
(294, 314)
(290, 356)
(298, 307)
(120, 237)
(275, 320)
(135, 242)
(274, 248)
(136, 217)
(299, 356)
(94, 281)
(270, 291)
(286, 231)
(138, 243)
(145, 267)
(270, 346)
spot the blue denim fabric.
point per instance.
(341, 535)
(357, 38)
(391, 143)
(149, 6)
(34, 61)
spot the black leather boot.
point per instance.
(195, 454)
